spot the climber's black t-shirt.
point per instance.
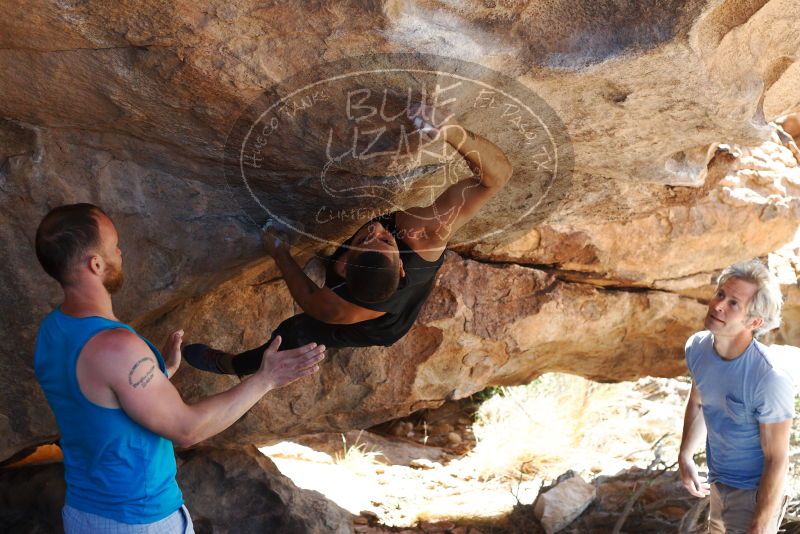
(403, 307)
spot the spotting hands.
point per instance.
(432, 122)
(280, 368)
(691, 479)
(172, 352)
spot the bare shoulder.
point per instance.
(412, 224)
(114, 342)
(112, 352)
(110, 360)
(417, 231)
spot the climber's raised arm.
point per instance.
(461, 201)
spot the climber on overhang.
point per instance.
(378, 280)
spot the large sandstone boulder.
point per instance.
(483, 324)
(129, 105)
(749, 202)
(241, 491)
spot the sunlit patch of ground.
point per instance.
(523, 437)
(562, 422)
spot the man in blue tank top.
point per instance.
(109, 388)
(378, 280)
(742, 402)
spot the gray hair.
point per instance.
(767, 301)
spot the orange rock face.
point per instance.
(129, 105)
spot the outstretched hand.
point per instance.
(433, 121)
(284, 367)
(172, 352)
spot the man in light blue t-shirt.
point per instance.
(746, 403)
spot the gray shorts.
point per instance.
(77, 522)
(732, 510)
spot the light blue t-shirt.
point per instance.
(737, 395)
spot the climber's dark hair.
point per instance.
(372, 276)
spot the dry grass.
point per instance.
(561, 422)
(525, 436)
(357, 458)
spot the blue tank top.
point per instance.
(113, 466)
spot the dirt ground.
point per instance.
(477, 465)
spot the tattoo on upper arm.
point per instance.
(141, 373)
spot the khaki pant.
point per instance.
(732, 510)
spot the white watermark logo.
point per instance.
(345, 142)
